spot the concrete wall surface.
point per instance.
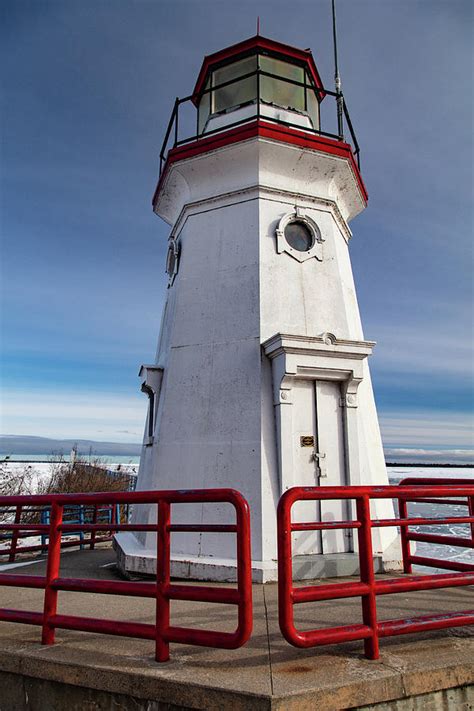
(24, 693)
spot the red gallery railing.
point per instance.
(162, 590)
(368, 588)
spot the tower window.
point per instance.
(172, 261)
(282, 93)
(238, 93)
(263, 79)
(299, 236)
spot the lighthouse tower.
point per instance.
(261, 379)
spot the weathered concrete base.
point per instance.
(85, 671)
(26, 693)
(459, 699)
(134, 560)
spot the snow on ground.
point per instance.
(395, 474)
(42, 471)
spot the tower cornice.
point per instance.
(260, 162)
(263, 192)
(262, 129)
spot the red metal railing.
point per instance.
(162, 590)
(38, 525)
(442, 539)
(367, 587)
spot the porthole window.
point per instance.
(299, 236)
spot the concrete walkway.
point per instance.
(91, 671)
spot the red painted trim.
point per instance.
(256, 42)
(264, 129)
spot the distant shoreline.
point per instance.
(62, 461)
(429, 465)
(110, 460)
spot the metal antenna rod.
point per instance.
(337, 78)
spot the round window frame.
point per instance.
(283, 245)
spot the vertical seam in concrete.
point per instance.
(268, 641)
(24, 689)
(401, 674)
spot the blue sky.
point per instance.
(87, 89)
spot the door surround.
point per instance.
(322, 357)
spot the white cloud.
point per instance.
(411, 349)
(426, 428)
(84, 415)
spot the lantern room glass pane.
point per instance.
(312, 103)
(204, 108)
(238, 93)
(282, 93)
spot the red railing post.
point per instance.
(52, 572)
(367, 576)
(404, 537)
(470, 505)
(15, 535)
(93, 532)
(285, 566)
(244, 568)
(162, 653)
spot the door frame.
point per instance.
(323, 357)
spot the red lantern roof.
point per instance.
(250, 46)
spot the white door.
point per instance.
(306, 471)
(318, 449)
(331, 460)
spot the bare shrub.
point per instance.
(15, 482)
(65, 478)
(83, 477)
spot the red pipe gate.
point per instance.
(367, 587)
(454, 492)
(162, 590)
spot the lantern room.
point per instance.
(258, 78)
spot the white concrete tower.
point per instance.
(261, 380)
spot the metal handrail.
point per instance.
(162, 589)
(368, 588)
(174, 118)
(106, 515)
(409, 558)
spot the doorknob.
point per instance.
(317, 457)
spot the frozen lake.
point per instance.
(463, 555)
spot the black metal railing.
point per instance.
(173, 137)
